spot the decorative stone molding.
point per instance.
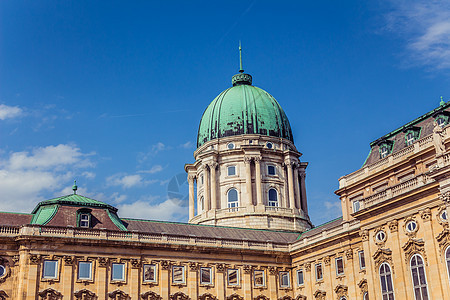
(364, 234)
(3, 295)
(341, 291)
(151, 296)
(247, 269)
(15, 259)
(300, 297)
(35, 259)
(393, 226)
(85, 294)
(349, 254)
(363, 286)
(69, 260)
(272, 270)
(165, 264)
(179, 296)
(327, 260)
(193, 266)
(379, 243)
(286, 297)
(441, 221)
(320, 295)
(102, 261)
(425, 214)
(247, 159)
(50, 294)
(413, 233)
(443, 239)
(257, 159)
(412, 247)
(235, 297)
(119, 295)
(213, 165)
(4, 262)
(220, 268)
(383, 255)
(135, 263)
(261, 297)
(192, 177)
(207, 296)
(445, 197)
(308, 267)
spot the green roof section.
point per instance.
(115, 219)
(76, 200)
(44, 214)
(243, 109)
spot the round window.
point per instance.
(2, 270)
(444, 215)
(269, 145)
(380, 236)
(230, 146)
(411, 226)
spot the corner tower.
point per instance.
(247, 169)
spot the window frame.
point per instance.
(4, 271)
(281, 275)
(183, 274)
(87, 262)
(123, 272)
(232, 204)
(447, 260)
(363, 259)
(316, 266)
(336, 265)
(155, 272)
(274, 170)
(231, 146)
(272, 202)
(263, 273)
(56, 269)
(300, 271)
(354, 203)
(420, 286)
(211, 276)
(233, 167)
(387, 293)
(238, 279)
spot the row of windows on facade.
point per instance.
(231, 145)
(410, 136)
(233, 198)
(231, 171)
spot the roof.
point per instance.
(184, 229)
(74, 199)
(243, 109)
(326, 226)
(14, 219)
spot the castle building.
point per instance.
(249, 235)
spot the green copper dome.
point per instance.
(243, 109)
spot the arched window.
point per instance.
(233, 199)
(273, 197)
(419, 278)
(202, 203)
(387, 290)
(447, 259)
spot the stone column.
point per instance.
(206, 189)
(247, 284)
(248, 179)
(136, 267)
(304, 202)
(191, 179)
(102, 277)
(192, 280)
(296, 186)
(164, 285)
(213, 167)
(67, 275)
(290, 165)
(220, 281)
(272, 283)
(259, 200)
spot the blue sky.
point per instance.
(110, 93)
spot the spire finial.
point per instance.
(241, 70)
(74, 187)
(442, 101)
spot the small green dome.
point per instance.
(243, 109)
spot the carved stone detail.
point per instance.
(393, 226)
(102, 261)
(410, 233)
(300, 297)
(438, 216)
(7, 271)
(151, 296)
(50, 294)
(381, 256)
(119, 295)
(3, 295)
(364, 234)
(247, 159)
(320, 295)
(308, 267)
(193, 266)
(341, 291)
(220, 268)
(445, 197)
(327, 260)
(438, 139)
(443, 239)
(85, 294)
(247, 269)
(165, 264)
(35, 259)
(69, 260)
(286, 297)
(179, 296)
(15, 259)
(363, 286)
(412, 247)
(349, 254)
(261, 297)
(235, 297)
(425, 214)
(207, 296)
(135, 263)
(272, 270)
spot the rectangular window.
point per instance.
(233, 276)
(284, 279)
(149, 273)
(300, 280)
(362, 261)
(50, 269)
(259, 278)
(231, 170)
(356, 205)
(84, 220)
(118, 272)
(178, 276)
(319, 272)
(206, 276)
(339, 266)
(271, 170)
(85, 270)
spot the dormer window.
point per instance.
(412, 133)
(385, 148)
(441, 121)
(84, 218)
(384, 151)
(409, 139)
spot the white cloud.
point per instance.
(153, 170)
(333, 205)
(88, 175)
(9, 112)
(169, 210)
(158, 147)
(425, 25)
(187, 145)
(128, 181)
(28, 177)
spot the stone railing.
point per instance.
(250, 209)
(391, 159)
(28, 230)
(395, 190)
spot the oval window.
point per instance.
(230, 146)
(380, 236)
(269, 145)
(411, 226)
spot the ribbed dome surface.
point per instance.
(243, 109)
